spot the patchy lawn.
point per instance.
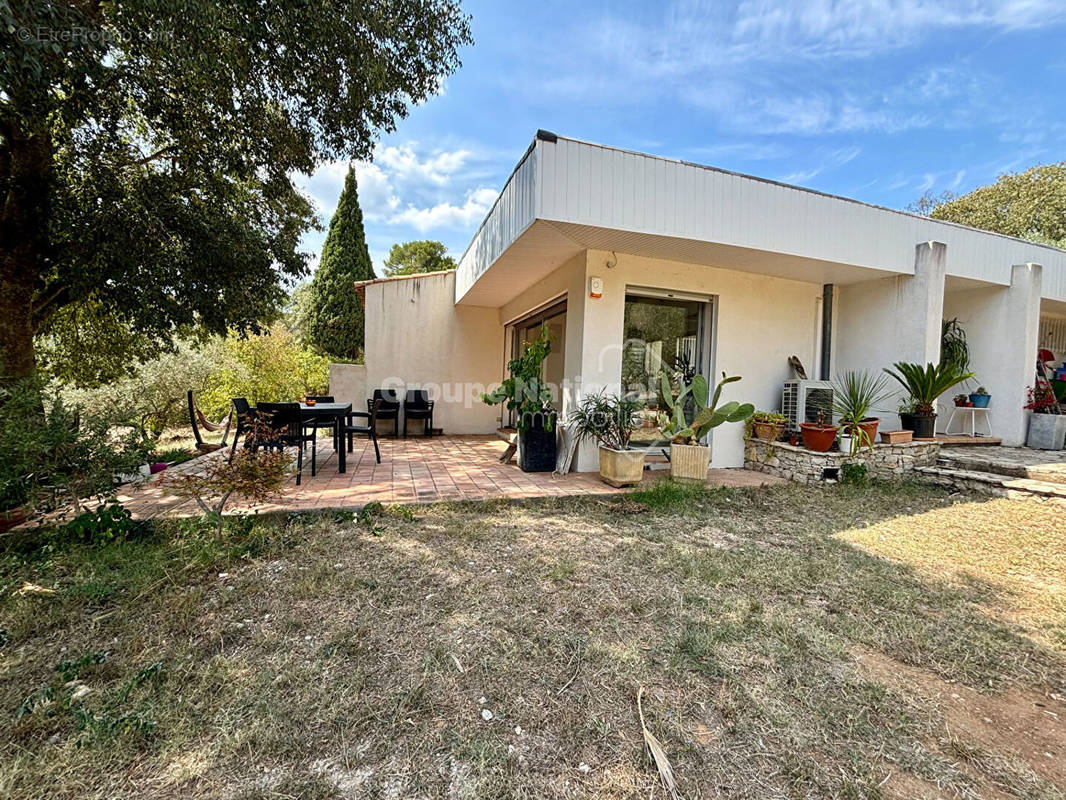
(496, 650)
(1012, 554)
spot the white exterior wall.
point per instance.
(416, 337)
(606, 187)
(893, 319)
(759, 322)
(1002, 331)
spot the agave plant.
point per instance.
(706, 414)
(854, 395)
(926, 384)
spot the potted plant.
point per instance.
(906, 414)
(962, 401)
(981, 398)
(925, 385)
(818, 436)
(1047, 423)
(689, 457)
(854, 394)
(768, 425)
(611, 420)
(525, 393)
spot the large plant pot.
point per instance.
(980, 400)
(12, 517)
(818, 438)
(536, 446)
(1047, 431)
(689, 461)
(769, 431)
(925, 426)
(621, 467)
(906, 422)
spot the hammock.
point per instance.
(196, 415)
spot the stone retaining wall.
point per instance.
(799, 464)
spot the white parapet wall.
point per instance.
(417, 338)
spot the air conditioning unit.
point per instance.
(802, 400)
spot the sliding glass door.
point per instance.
(552, 320)
(664, 333)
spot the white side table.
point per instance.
(973, 412)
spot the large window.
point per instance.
(662, 334)
(553, 320)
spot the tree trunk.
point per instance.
(25, 174)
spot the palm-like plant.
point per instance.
(854, 395)
(926, 384)
(609, 419)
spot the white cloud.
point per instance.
(404, 163)
(447, 215)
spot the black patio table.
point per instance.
(333, 411)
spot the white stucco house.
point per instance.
(617, 252)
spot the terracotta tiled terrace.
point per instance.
(413, 470)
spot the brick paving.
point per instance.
(413, 470)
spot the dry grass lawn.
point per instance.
(1015, 551)
(497, 649)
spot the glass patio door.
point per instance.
(553, 320)
(663, 333)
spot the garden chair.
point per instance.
(245, 419)
(280, 425)
(389, 408)
(330, 424)
(417, 405)
(370, 429)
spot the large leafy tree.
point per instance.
(334, 313)
(412, 258)
(1029, 205)
(146, 147)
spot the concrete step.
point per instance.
(993, 483)
(995, 461)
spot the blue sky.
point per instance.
(879, 101)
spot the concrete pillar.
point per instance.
(893, 319)
(1002, 330)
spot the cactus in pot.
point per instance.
(688, 456)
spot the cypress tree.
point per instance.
(335, 315)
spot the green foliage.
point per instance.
(855, 393)
(271, 366)
(954, 348)
(334, 313)
(154, 394)
(707, 414)
(524, 389)
(255, 475)
(1030, 205)
(53, 454)
(149, 147)
(297, 314)
(770, 417)
(926, 384)
(108, 521)
(609, 419)
(854, 474)
(412, 258)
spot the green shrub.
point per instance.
(53, 454)
(107, 522)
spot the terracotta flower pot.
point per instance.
(15, 516)
(767, 430)
(869, 427)
(818, 438)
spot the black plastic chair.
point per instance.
(245, 420)
(417, 405)
(330, 424)
(370, 429)
(283, 428)
(388, 409)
